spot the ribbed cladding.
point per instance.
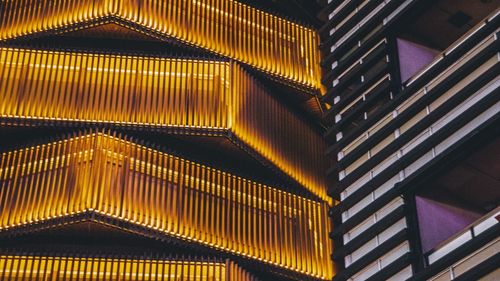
(115, 178)
(62, 266)
(106, 88)
(264, 41)
(179, 96)
(276, 133)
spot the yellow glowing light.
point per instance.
(111, 176)
(179, 96)
(229, 28)
(35, 267)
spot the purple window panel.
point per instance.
(413, 57)
(439, 221)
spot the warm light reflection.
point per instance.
(35, 267)
(176, 95)
(118, 179)
(229, 28)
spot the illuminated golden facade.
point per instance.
(110, 268)
(180, 96)
(115, 118)
(228, 28)
(172, 196)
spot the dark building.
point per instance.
(413, 125)
(162, 140)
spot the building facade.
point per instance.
(223, 140)
(413, 108)
(162, 140)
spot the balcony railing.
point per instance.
(453, 46)
(429, 155)
(472, 231)
(469, 262)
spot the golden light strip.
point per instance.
(38, 267)
(179, 96)
(121, 180)
(228, 28)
